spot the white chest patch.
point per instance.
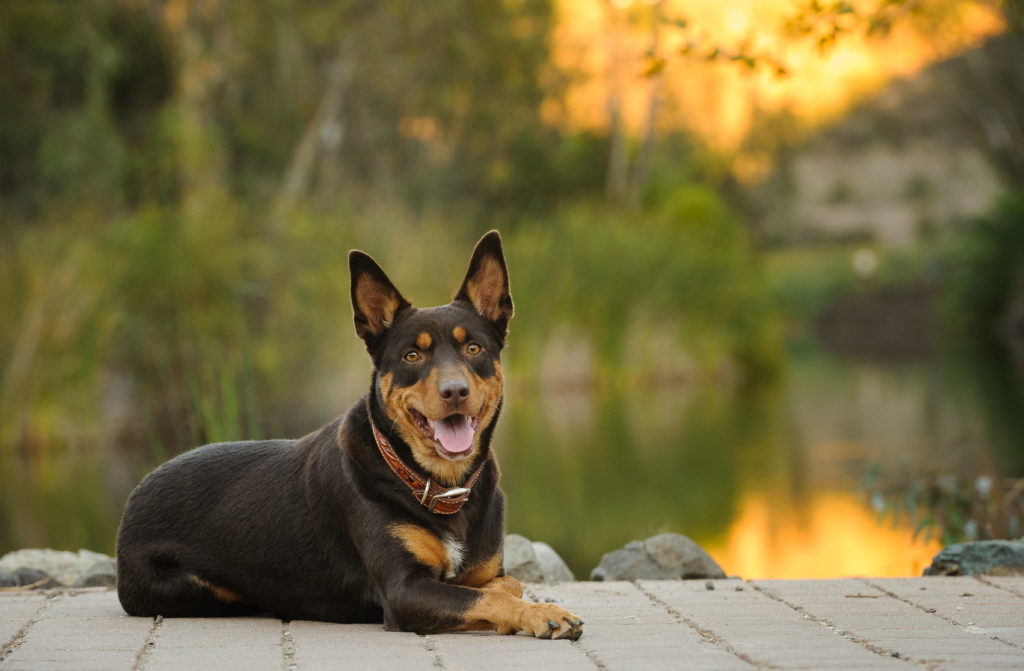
(456, 552)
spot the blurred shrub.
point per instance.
(953, 507)
(986, 272)
(983, 319)
(171, 329)
(84, 87)
(604, 274)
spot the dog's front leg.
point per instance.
(426, 605)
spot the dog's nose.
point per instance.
(453, 391)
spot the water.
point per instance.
(768, 480)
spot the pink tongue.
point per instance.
(454, 433)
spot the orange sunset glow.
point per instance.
(834, 535)
(603, 46)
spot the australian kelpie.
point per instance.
(390, 513)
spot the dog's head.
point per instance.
(437, 372)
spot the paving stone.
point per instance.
(761, 629)
(884, 622)
(83, 631)
(647, 625)
(1014, 584)
(222, 644)
(979, 607)
(16, 611)
(321, 645)
(625, 629)
(459, 652)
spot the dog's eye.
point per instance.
(473, 349)
(412, 356)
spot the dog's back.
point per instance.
(232, 521)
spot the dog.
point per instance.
(391, 513)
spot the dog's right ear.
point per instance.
(375, 300)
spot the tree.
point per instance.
(991, 74)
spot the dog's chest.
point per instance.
(455, 551)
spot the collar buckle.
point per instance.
(451, 494)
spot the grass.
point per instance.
(215, 328)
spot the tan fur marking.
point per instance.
(219, 593)
(483, 573)
(507, 614)
(492, 389)
(424, 398)
(486, 287)
(385, 385)
(505, 584)
(459, 334)
(424, 341)
(425, 546)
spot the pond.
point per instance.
(769, 480)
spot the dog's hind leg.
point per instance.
(151, 584)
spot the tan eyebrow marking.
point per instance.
(459, 333)
(424, 341)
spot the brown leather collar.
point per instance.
(431, 496)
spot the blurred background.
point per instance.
(767, 257)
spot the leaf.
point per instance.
(655, 65)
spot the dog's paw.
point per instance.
(547, 620)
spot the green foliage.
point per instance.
(986, 270)
(82, 84)
(802, 281)
(55, 326)
(985, 282)
(154, 286)
(437, 100)
(218, 331)
(953, 507)
(686, 266)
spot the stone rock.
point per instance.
(533, 562)
(991, 557)
(102, 573)
(520, 560)
(666, 556)
(552, 566)
(8, 579)
(28, 577)
(64, 567)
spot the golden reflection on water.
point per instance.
(835, 535)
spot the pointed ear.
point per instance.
(486, 284)
(375, 300)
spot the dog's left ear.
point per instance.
(486, 284)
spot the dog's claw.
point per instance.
(555, 622)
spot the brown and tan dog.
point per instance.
(390, 513)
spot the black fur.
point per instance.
(299, 529)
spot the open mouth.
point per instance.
(452, 436)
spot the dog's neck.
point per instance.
(429, 494)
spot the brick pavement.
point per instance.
(925, 623)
